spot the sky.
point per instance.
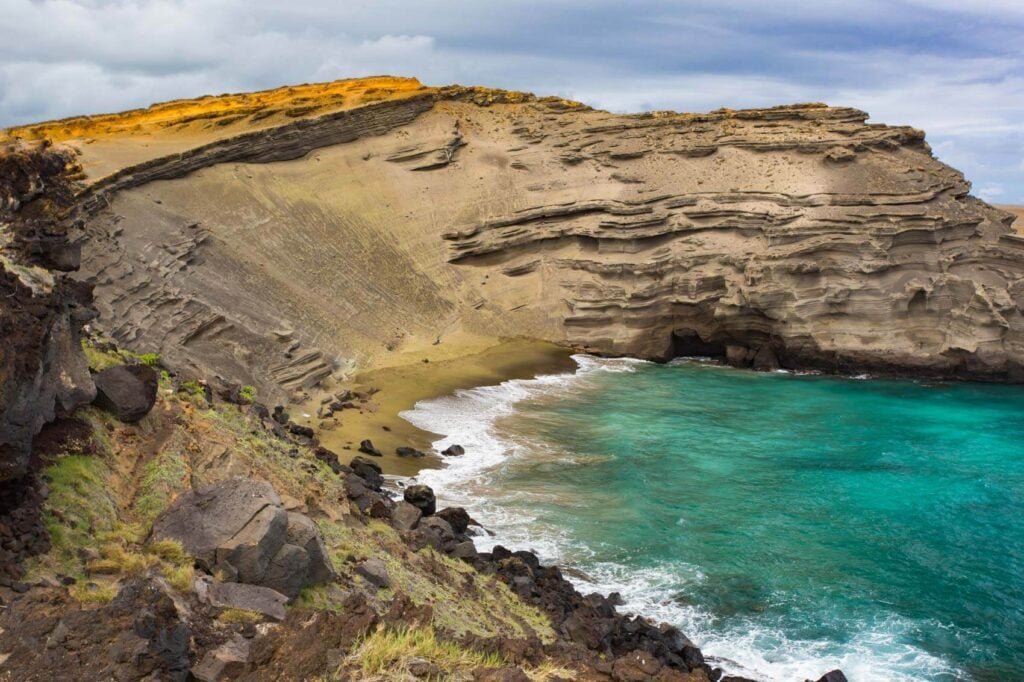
(954, 68)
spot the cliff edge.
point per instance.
(279, 238)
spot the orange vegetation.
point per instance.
(260, 108)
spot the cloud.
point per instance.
(955, 69)
(991, 192)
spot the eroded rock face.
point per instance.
(798, 236)
(240, 527)
(43, 371)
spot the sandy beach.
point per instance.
(402, 379)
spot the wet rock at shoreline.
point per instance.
(404, 451)
(833, 676)
(453, 451)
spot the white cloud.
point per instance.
(904, 61)
(991, 192)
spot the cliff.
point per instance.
(43, 371)
(307, 233)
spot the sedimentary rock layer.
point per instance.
(799, 235)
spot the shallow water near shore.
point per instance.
(788, 524)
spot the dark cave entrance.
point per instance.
(689, 343)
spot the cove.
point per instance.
(788, 524)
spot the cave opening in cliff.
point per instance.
(690, 343)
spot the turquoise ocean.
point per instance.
(788, 524)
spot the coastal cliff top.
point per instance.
(111, 142)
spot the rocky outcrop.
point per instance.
(240, 528)
(797, 236)
(43, 371)
(126, 391)
(139, 635)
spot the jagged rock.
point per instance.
(367, 448)
(405, 516)
(304, 533)
(263, 600)
(43, 370)
(280, 416)
(225, 662)
(636, 666)
(329, 458)
(437, 533)
(403, 451)
(127, 391)
(453, 451)
(240, 526)
(765, 360)
(833, 676)
(422, 497)
(458, 518)
(157, 622)
(464, 550)
(375, 572)
(299, 430)
(368, 471)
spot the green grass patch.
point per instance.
(233, 615)
(84, 593)
(388, 651)
(161, 478)
(78, 510)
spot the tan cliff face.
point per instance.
(277, 249)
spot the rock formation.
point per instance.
(43, 371)
(275, 250)
(239, 527)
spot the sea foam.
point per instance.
(472, 417)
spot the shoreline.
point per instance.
(422, 374)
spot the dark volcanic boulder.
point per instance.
(127, 391)
(457, 518)
(404, 451)
(367, 448)
(368, 471)
(421, 496)
(405, 516)
(833, 676)
(329, 458)
(300, 430)
(240, 527)
(263, 600)
(453, 451)
(280, 416)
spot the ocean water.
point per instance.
(788, 524)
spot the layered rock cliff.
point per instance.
(277, 248)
